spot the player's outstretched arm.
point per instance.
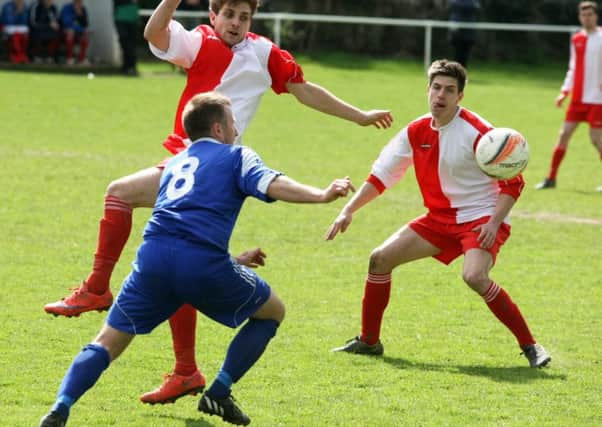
(367, 193)
(252, 258)
(288, 190)
(156, 31)
(320, 99)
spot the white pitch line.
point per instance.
(556, 217)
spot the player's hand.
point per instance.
(339, 224)
(487, 233)
(382, 119)
(338, 188)
(252, 258)
(560, 99)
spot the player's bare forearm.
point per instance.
(156, 31)
(288, 190)
(504, 205)
(320, 99)
(367, 193)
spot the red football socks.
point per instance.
(376, 297)
(557, 156)
(183, 333)
(500, 303)
(114, 232)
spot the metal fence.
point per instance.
(428, 25)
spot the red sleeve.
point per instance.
(513, 187)
(283, 69)
(377, 183)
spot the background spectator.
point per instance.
(74, 25)
(463, 39)
(13, 20)
(44, 30)
(126, 22)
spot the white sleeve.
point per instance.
(567, 85)
(183, 48)
(394, 159)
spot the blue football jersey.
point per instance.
(202, 190)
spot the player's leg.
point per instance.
(84, 372)
(136, 190)
(186, 378)
(595, 130)
(564, 137)
(248, 297)
(477, 265)
(404, 246)
(596, 138)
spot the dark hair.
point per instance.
(445, 67)
(202, 112)
(584, 5)
(216, 5)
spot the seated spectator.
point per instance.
(13, 21)
(44, 30)
(74, 25)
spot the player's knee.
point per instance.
(118, 188)
(378, 261)
(477, 280)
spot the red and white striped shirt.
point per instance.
(243, 72)
(453, 187)
(584, 76)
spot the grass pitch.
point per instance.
(447, 360)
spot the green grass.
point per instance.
(447, 361)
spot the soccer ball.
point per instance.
(502, 153)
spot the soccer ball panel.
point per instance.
(502, 153)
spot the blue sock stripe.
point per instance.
(224, 378)
(63, 399)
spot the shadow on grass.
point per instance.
(501, 374)
(188, 422)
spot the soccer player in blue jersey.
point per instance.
(184, 259)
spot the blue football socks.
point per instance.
(83, 373)
(244, 350)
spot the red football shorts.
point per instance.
(591, 113)
(455, 239)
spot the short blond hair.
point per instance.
(202, 111)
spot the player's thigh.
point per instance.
(138, 189)
(401, 247)
(566, 131)
(222, 289)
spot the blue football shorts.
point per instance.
(169, 273)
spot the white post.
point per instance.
(277, 29)
(428, 39)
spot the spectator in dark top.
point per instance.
(74, 24)
(13, 21)
(126, 22)
(44, 30)
(463, 39)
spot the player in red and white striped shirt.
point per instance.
(467, 210)
(227, 58)
(584, 82)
